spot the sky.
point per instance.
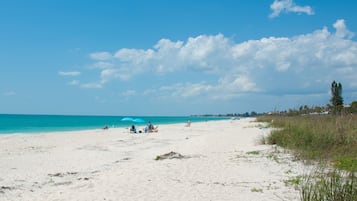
(177, 57)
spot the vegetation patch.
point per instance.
(256, 190)
(295, 181)
(346, 163)
(328, 138)
(253, 152)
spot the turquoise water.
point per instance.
(14, 123)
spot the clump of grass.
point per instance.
(346, 163)
(256, 190)
(294, 181)
(274, 157)
(253, 152)
(336, 186)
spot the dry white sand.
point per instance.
(223, 160)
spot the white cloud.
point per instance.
(241, 82)
(226, 88)
(139, 56)
(190, 89)
(274, 65)
(279, 6)
(101, 56)
(93, 85)
(69, 73)
(73, 82)
(107, 75)
(103, 65)
(341, 29)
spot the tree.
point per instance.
(336, 99)
(253, 114)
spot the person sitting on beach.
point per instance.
(150, 128)
(132, 129)
(154, 129)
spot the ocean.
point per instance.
(20, 123)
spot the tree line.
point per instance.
(336, 105)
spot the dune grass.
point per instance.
(325, 138)
(328, 139)
(335, 185)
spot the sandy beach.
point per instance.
(216, 160)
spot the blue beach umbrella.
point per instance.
(127, 119)
(138, 120)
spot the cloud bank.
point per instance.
(215, 67)
(288, 6)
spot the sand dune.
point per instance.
(220, 160)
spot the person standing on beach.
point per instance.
(188, 123)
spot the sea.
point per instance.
(25, 123)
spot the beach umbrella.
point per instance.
(127, 119)
(138, 120)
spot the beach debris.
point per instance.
(3, 188)
(62, 174)
(62, 183)
(83, 178)
(95, 171)
(123, 159)
(170, 155)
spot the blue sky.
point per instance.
(178, 57)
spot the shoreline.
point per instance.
(38, 124)
(213, 161)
